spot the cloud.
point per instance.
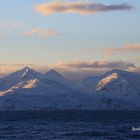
(10, 25)
(77, 70)
(79, 7)
(13, 24)
(6, 27)
(126, 48)
(94, 65)
(2, 33)
(42, 32)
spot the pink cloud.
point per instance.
(79, 7)
(42, 32)
(126, 48)
(2, 33)
(93, 65)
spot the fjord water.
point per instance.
(69, 125)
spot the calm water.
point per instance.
(69, 125)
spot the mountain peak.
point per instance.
(28, 73)
(53, 73)
(117, 71)
(19, 76)
(26, 68)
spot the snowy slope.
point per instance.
(39, 86)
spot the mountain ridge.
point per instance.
(114, 90)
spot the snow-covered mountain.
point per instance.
(15, 78)
(115, 85)
(27, 89)
(119, 81)
(113, 80)
(28, 81)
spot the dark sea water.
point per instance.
(69, 125)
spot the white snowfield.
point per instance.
(27, 89)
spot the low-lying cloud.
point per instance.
(10, 25)
(40, 32)
(94, 65)
(77, 70)
(2, 33)
(126, 48)
(79, 7)
(74, 70)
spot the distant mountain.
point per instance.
(54, 75)
(57, 77)
(27, 89)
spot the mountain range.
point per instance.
(28, 89)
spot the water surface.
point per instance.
(69, 125)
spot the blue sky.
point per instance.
(75, 37)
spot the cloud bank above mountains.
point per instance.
(74, 70)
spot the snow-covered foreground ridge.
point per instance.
(27, 89)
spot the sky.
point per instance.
(75, 37)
